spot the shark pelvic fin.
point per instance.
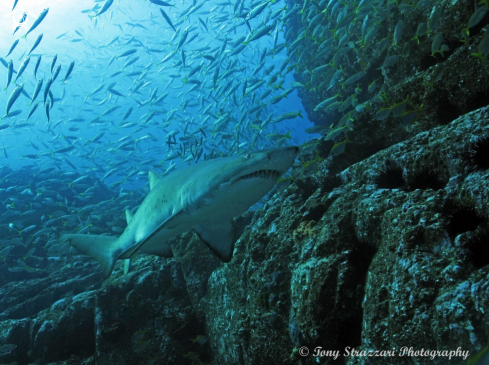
(154, 179)
(101, 248)
(127, 266)
(169, 223)
(129, 216)
(219, 238)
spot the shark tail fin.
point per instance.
(101, 248)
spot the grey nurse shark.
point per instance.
(203, 197)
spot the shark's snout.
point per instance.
(269, 165)
(284, 151)
(281, 150)
(283, 157)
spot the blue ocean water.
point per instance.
(99, 93)
(73, 32)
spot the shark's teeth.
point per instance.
(264, 174)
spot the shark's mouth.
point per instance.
(264, 174)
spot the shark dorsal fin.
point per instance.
(219, 238)
(129, 216)
(154, 179)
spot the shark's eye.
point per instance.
(247, 156)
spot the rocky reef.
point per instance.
(390, 253)
(363, 266)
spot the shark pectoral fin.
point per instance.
(219, 238)
(127, 266)
(101, 248)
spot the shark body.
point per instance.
(203, 197)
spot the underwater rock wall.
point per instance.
(142, 318)
(389, 258)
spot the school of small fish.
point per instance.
(204, 87)
(39, 204)
(186, 83)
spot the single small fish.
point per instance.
(13, 97)
(161, 3)
(203, 24)
(389, 61)
(37, 90)
(115, 92)
(30, 228)
(47, 111)
(339, 147)
(9, 73)
(336, 132)
(46, 89)
(131, 61)
(38, 62)
(12, 47)
(437, 74)
(54, 62)
(33, 109)
(420, 31)
(104, 8)
(127, 53)
(436, 44)
(64, 149)
(310, 167)
(36, 43)
(37, 22)
(434, 18)
(4, 349)
(398, 32)
(200, 339)
(12, 114)
(70, 69)
(483, 48)
(192, 356)
(22, 67)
